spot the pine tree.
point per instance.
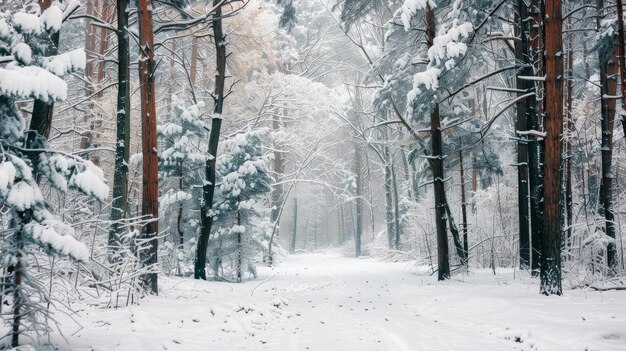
(243, 174)
(181, 158)
(34, 228)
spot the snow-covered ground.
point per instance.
(329, 302)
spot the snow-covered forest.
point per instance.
(312, 175)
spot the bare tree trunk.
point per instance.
(388, 198)
(17, 287)
(150, 189)
(119, 207)
(396, 206)
(463, 205)
(535, 171)
(522, 56)
(41, 119)
(436, 165)
(294, 226)
(277, 193)
(608, 89)
(620, 57)
(358, 160)
(551, 243)
(570, 130)
(239, 249)
(208, 190)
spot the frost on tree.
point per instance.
(32, 228)
(181, 162)
(242, 222)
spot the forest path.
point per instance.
(356, 304)
(326, 302)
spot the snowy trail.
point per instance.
(328, 302)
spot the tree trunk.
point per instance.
(570, 130)
(620, 57)
(208, 189)
(294, 226)
(388, 199)
(119, 206)
(551, 243)
(358, 160)
(277, 193)
(608, 89)
(41, 119)
(396, 206)
(150, 189)
(522, 56)
(535, 171)
(463, 205)
(239, 248)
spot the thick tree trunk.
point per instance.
(119, 207)
(150, 189)
(208, 190)
(522, 57)
(551, 243)
(608, 89)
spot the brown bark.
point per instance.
(150, 189)
(551, 243)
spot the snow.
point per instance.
(22, 53)
(329, 302)
(67, 62)
(27, 23)
(410, 8)
(52, 18)
(90, 181)
(24, 195)
(7, 177)
(31, 82)
(58, 236)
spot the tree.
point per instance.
(208, 189)
(607, 60)
(30, 74)
(119, 207)
(180, 159)
(242, 226)
(150, 183)
(551, 240)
